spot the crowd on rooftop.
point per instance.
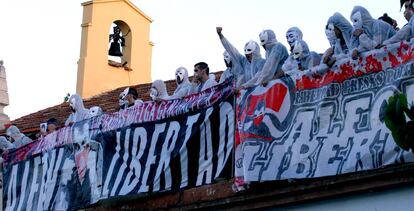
(347, 38)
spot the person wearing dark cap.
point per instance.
(129, 98)
(202, 80)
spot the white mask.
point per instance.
(122, 96)
(357, 20)
(226, 57)
(264, 37)
(179, 75)
(153, 93)
(72, 103)
(297, 50)
(291, 37)
(249, 48)
(330, 33)
(95, 111)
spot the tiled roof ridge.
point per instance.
(108, 101)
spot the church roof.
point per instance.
(108, 101)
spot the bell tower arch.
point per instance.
(98, 70)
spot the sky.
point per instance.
(40, 40)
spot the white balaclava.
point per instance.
(5, 144)
(330, 34)
(158, 90)
(253, 48)
(250, 47)
(293, 34)
(76, 103)
(267, 38)
(227, 59)
(79, 112)
(122, 95)
(95, 111)
(357, 20)
(181, 75)
(14, 133)
(297, 51)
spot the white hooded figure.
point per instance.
(183, 84)
(375, 32)
(234, 69)
(5, 144)
(19, 138)
(338, 31)
(292, 35)
(407, 31)
(276, 54)
(79, 112)
(303, 57)
(158, 90)
(123, 103)
(247, 65)
(228, 73)
(95, 111)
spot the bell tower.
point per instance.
(115, 47)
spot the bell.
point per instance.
(115, 49)
(117, 40)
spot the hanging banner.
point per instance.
(84, 165)
(344, 121)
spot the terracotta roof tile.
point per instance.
(108, 101)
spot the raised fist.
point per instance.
(219, 29)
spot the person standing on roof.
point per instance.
(292, 35)
(79, 112)
(276, 54)
(128, 98)
(5, 144)
(201, 79)
(158, 91)
(370, 33)
(19, 139)
(233, 69)
(183, 84)
(303, 57)
(338, 31)
(247, 65)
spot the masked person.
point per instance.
(370, 33)
(5, 144)
(183, 84)
(128, 98)
(243, 66)
(95, 111)
(339, 33)
(201, 79)
(292, 35)
(158, 91)
(303, 57)
(228, 73)
(19, 139)
(276, 54)
(407, 31)
(79, 112)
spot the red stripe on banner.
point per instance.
(365, 65)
